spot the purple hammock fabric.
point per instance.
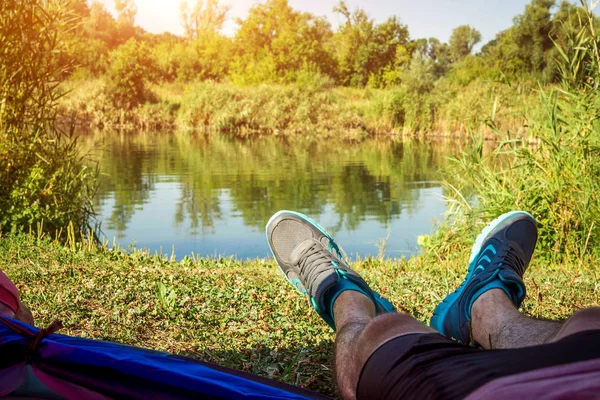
(77, 368)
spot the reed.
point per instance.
(557, 180)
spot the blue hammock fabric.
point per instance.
(74, 367)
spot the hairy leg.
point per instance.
(360, 333)
(497, 324)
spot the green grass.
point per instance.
(242, 314)
(449, 110)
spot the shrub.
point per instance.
(131, 69)
(395, 107)
(42, 175)
(557, 180)
(309, 78)
(248, 72)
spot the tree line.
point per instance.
(277, 44)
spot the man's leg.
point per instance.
(497, 324)
(24, 314)
(484, 309)
(499, 258)
(10, 302)
(360, 333)
(311, 261)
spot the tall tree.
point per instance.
(101, 25)
(275, 42)
(204, 18)
(532, 34)
(364, 48)
(462, 41)
(126, 10)
(440, 56)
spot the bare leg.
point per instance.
(24, 314)
(497, 324)
(360, 333)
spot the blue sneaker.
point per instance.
(498, 260)
(313, 263)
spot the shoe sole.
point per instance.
(442, 309)
(304, 218)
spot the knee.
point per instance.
(386, 323)
(582, 320)
(586, 315)
(385, 327)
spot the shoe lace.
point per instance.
(314, 260)
(511, 255)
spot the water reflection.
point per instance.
(213, 196)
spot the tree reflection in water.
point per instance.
(375, 180)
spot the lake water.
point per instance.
(213, 196)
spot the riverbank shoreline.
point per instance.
(241, 314)
(448, 112)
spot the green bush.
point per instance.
(131, 70)
(309, 78)
(43, 178)
(558, 178)
(395, 107)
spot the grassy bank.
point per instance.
(242, 314)
(448, 110)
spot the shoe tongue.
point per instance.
(297, 252)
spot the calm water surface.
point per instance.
(213, 196)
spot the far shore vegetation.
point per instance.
(287, 72)
(67, 65)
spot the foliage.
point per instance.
(363, 48)
(126, 10)
(43, 179)
(275, 41)
(213, 53)
(284, 110)
(578, 54)
(207, 58)
(312, 107)
(101, 25)
(131, 69)
(473, 68)
(557, 180)
(532, 37)
(524, 49)
(462, 41)
(277, 44)
(437, 82)
(204, 19)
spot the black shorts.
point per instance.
(431, 366)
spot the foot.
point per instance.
(312, 262)
(498, 260)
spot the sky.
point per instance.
(434, 18)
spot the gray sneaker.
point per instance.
(313, 263)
